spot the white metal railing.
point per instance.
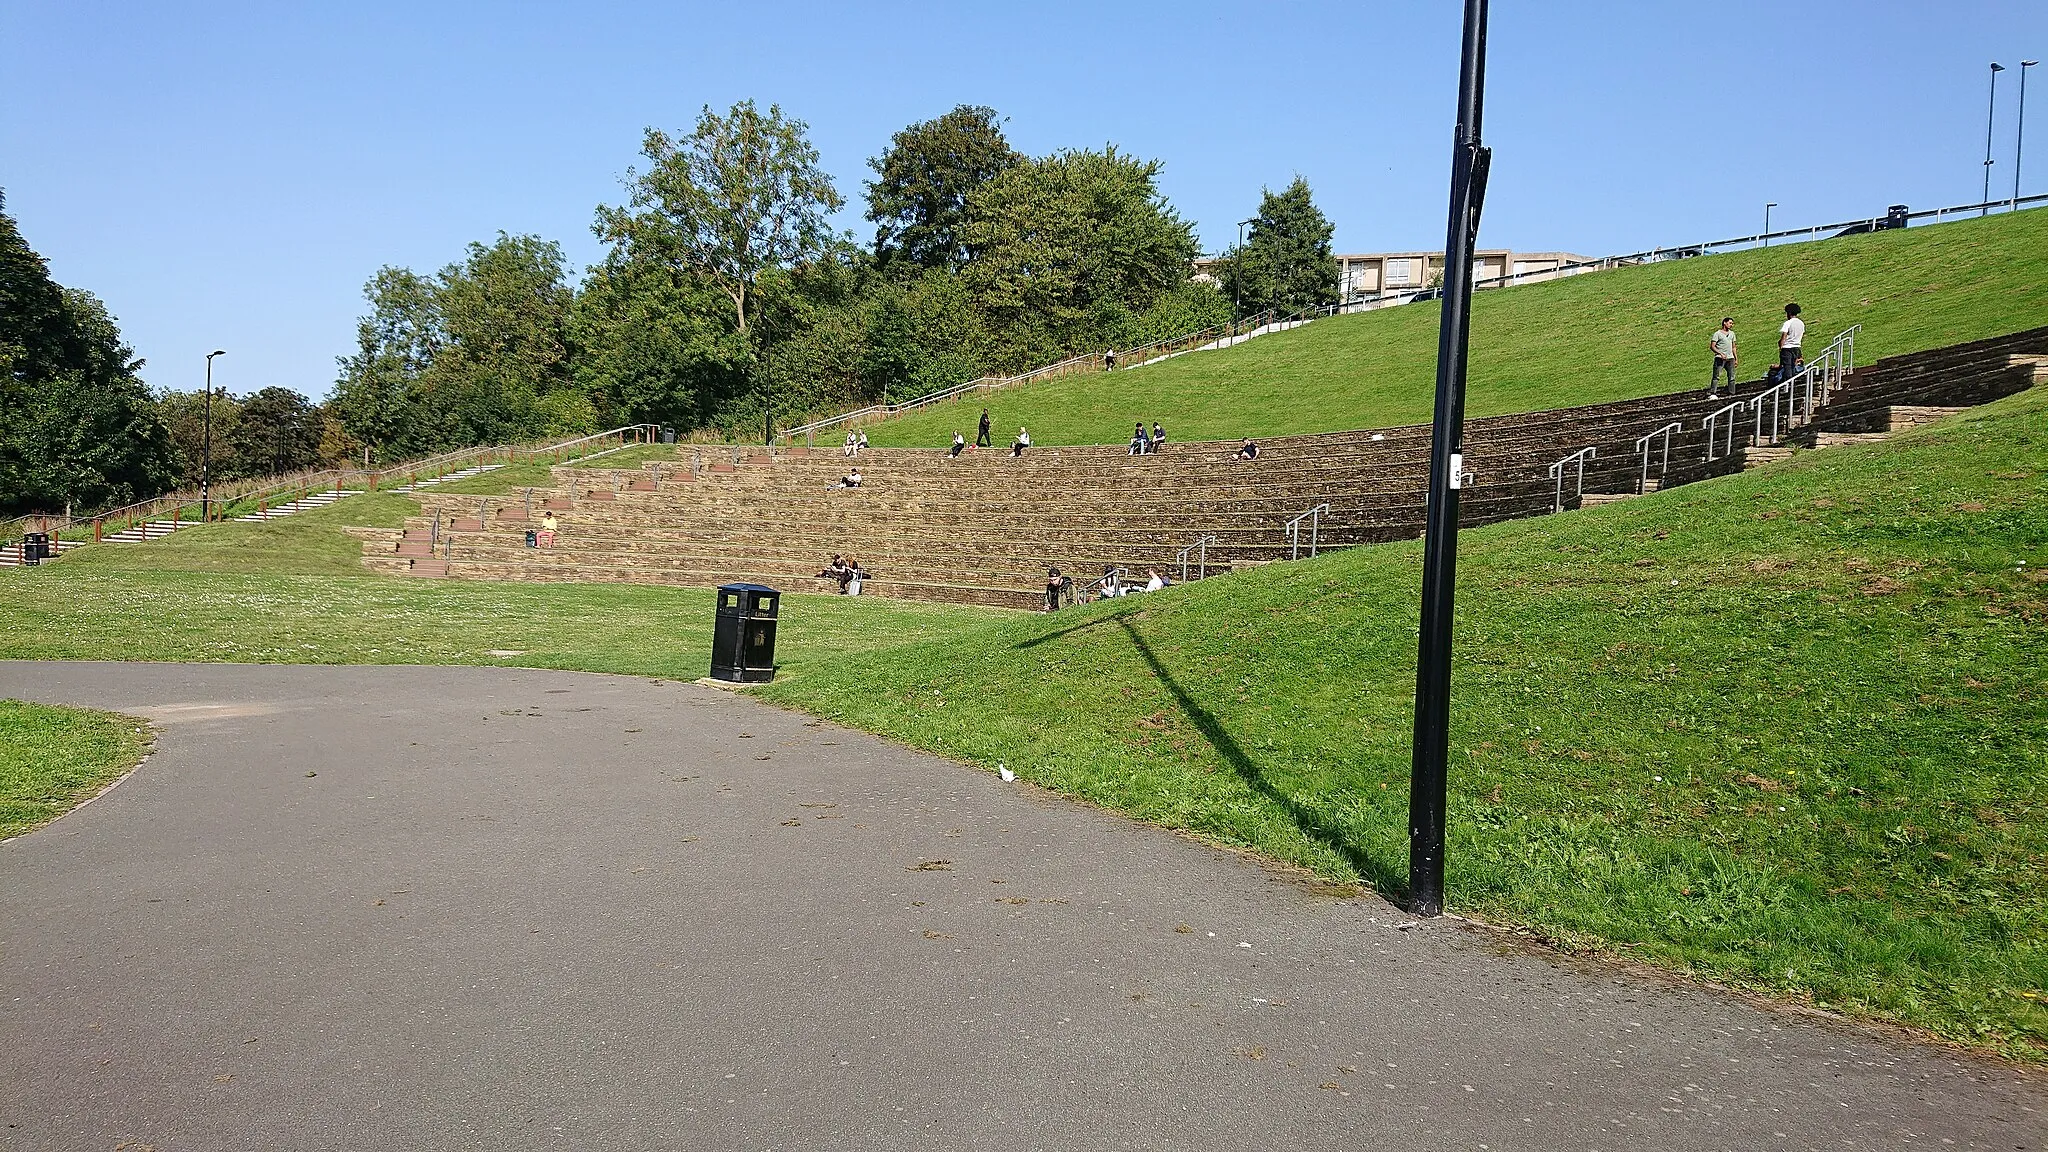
(1557, 472)
(1725, 418)
(1199, 551)
(1094, 586)
(1664, 463)
(1793, 401)
(1314, 516)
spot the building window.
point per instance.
(1400, 271)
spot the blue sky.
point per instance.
(229, 174)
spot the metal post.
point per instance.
(206, 439)
(1767, 222)
(1427, 784)
(1990, 110)
(2019, 135)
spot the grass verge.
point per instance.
(1589, 339)
(54, 759)
(1787, 729)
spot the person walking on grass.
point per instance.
(1791, 334)
(981, 439)
(1722, 343)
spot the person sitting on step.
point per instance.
(1112, 583)
(1138, 439)
(548, 524)
(860, 445)
(959, 442)
(851, 479)
(852, 445)
(1153, 580)
(1158, 440)
(1248, 451)
(838, 571)
(1023, 442)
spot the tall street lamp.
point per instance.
(1767, 222)
(1989, 110)
(2019, 136)
(1237, 270)
(206, 441)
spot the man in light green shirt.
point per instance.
(1723, 344)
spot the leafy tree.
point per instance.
(1286, 263)
(78, 428)
(184, 416)
(655, 343)
(1063, 246)
(465, 357)
(277, 430)
(918, 201)
(741, 193)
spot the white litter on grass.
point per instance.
(1407, 926)
(1243, 944)
(502, 652)
(1004, 772)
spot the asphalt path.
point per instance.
(480, 908)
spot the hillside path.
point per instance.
(442, 908)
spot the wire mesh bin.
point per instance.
(743, 636)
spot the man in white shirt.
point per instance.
(1791, 334)
(1723, 344)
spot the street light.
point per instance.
(1767, 222)
(1237, 277)
(1990, 110)
(206, 442)
(2019, 136)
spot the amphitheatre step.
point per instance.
(1755, 457)
(1904, 416)
(10, 554)
(1842, 439)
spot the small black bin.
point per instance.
(35, 547)
(743, 637)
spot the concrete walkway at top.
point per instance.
(463, 908)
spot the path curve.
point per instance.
(431, 908)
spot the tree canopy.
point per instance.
(1286, 262)
(919, 198)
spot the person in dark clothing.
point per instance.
(981, 439)
(1248, 451)
(1138, 441)
(1054, 585)
(1791, 335)
(1158, 437)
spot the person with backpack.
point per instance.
(1791, 334)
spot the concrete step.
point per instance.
(1904, 416)
(1843, 439)
(425, 567)
(1595, 499)
(1758, 457)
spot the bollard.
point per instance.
(96, 523)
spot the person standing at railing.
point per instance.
(1791, 334)
(981, 439)
(1722, 342)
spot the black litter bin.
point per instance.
(743, 637)
(1896, 216)
(35, 547)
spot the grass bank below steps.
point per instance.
(54, 759)
(1787, 729)
(1589, 339)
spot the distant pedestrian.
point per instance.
(1722, 343)
(959, 442)
(1023, 441)
(1139, 441)
(981, 439)
(1248, 451)
(1791, 334)
(1158, 438)
(1054, 585)
(1109, 360)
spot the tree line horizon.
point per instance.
(723, 298)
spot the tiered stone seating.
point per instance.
(983, 528)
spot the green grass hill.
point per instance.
(1602, 336)
(1788, 729)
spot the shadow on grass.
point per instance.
(1035, 641)
(1389, 878)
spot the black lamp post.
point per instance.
(1767, 222)
(206, 440)
(1990, 110)
(1237, 280)
(1427, 770)
(2019, 136)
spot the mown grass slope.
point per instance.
(1788, 729)
(1603, 336)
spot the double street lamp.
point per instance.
(206, 439)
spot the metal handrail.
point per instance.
(1728, 411)
(1314, 516)
(1557, 474)
(1199, 549)
(1827, 372)
(1121, 573)
(1643, 448)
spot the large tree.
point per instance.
(78, 428)
(918, 200)
(473, 355)
(1065, 249)
(740, 194)
(1286, 263)
(278, 431)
